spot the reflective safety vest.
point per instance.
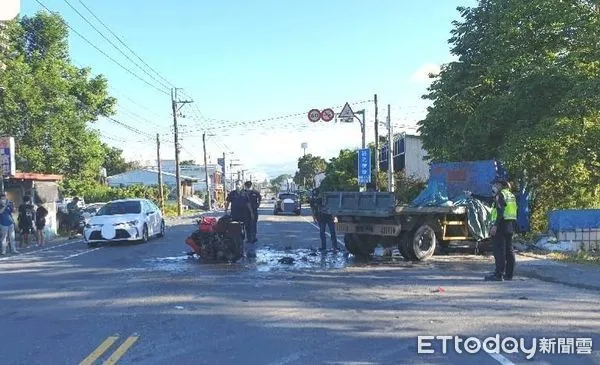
(510, 210)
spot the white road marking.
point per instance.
(501, 359)
(81, 253)
(40, 250)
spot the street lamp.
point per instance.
(362, 126)
(207, 203)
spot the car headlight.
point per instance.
(93, 225)
(133, 223)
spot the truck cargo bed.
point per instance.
(373, 204)
(406, 209)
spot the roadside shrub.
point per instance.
(97, 193)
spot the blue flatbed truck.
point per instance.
(369, 219)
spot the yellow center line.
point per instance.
(105, 345)
(121, 350)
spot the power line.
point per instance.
(127, 126)
(123, 43)
(230, 123)
(104, 53)
(112, 44)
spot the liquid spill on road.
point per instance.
(268, 259)
(172, 264)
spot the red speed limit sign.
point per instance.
(327, 115)
(314, 115)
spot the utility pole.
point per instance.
(376, 144)
(243, 175)
(363, 129)
(390, 152)
(224, 176)
(175, 106)
(208, 197)
(160, 180)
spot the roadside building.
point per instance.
(43, 189)
(149, 177)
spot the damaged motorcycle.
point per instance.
(218, 240)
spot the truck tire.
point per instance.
(403, 247)
(358, 246)
(422, 243)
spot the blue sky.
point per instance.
(245, 61)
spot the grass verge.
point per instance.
(576, 257)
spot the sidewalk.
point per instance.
(572, 274)
(48, 244)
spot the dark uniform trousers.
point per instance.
(502, 246)
(326, 220)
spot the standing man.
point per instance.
(241, 211)
(255, 199)
(325, 220)
(26, 220)
(74, 216)
(314, 204)
(503, 217)
(7, 225)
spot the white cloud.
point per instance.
(422, 73)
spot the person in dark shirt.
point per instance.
(371, 187)
(504, 216)
(26, 220)
(314, 204)
(241, 209)
(7, 225)
(255, 199)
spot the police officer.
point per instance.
(503, 217)
(314, 201)
(255, 199)
(241, 209)
(325, 220)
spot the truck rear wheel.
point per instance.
(422, 243)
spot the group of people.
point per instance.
(244, 202)
(30, 220)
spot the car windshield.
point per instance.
(126, 207)
(288, 196)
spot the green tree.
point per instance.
(48, 103)
(308, 167)
(276, 182)
(187, 162)
(524, 90)
(114, 162)
(341, 173)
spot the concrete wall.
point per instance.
(416, 166)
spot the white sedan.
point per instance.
(125, 220)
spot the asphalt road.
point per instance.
(152, 304)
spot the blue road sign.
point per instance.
(364, 166)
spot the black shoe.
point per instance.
(508, 278)
(323, 249)
(493, 277)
